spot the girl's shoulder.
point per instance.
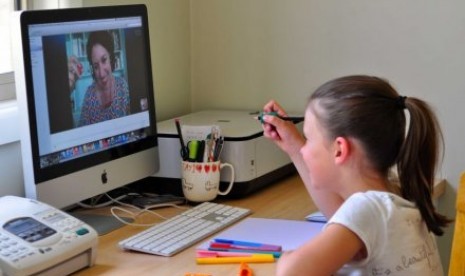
(383, 198)
(376, 207)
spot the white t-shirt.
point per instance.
(396, 238)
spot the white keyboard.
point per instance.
(185, 229)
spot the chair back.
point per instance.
(457, 257)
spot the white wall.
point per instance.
(169, 22)
(11, 180)
(11, 172)
(246, 52)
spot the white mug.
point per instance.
(201, 180)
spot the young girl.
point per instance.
(355, 134)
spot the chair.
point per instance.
(457, 257)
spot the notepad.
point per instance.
(316, 217)
(290, 234)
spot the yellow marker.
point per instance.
(254, 258)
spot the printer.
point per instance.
(257, 161)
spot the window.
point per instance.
(6, 7)
(6, 59)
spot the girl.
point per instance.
(355, 134)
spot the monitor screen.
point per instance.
(85, 90)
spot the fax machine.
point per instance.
(257, 161)
(37, 239)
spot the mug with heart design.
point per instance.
(201, 180)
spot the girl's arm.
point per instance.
(290, 140)
(324, 254)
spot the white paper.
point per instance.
(290, 234)
(199, 132)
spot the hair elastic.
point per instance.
(400, 101)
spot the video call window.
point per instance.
(107, 73)
(94, 81)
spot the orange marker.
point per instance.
(245, 270)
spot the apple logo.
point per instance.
(104, 177)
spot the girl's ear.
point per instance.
(342, 150)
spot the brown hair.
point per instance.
(104, 38)
(370, 109)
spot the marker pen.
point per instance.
(295, 120)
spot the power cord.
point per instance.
(132, 214)
(94, 205)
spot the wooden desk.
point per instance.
(287, 199)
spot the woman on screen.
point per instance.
(108, 95)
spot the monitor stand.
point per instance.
(101, 223)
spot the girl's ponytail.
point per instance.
(417, 161)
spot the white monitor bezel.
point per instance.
(108, 169)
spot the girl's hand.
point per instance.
(284, 133)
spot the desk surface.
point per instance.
(286, 199)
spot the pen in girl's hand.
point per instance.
(295, 120)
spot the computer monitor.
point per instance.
(85, 93)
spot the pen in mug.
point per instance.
(201, 151)
(218, 148)
(207, 149)
(184, 153)
(193, 148)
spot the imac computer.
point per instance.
(86, 101)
